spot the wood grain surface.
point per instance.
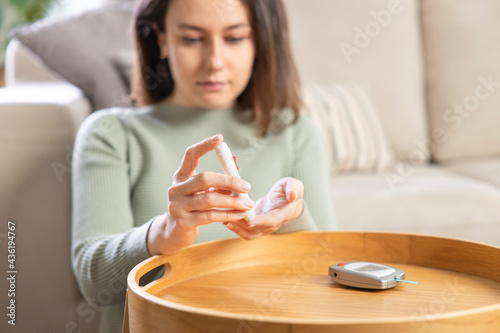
(280, 283)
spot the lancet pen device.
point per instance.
(230, 168)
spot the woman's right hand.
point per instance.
(193, 199)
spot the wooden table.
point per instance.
(280, 283)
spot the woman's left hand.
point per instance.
(282, 204)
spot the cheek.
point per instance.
(244, 61)
(183, 64)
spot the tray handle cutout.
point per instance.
(159, 272)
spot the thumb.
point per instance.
(293, 189)
(192, 156)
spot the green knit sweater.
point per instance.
(123, 163)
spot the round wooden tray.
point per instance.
(280, 283)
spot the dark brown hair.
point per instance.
(274, 85)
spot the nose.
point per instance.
(215, 55)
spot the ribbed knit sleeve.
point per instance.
(106, 241)
(311, 167)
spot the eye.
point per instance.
(188, 40)
(234, 40)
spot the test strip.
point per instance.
(406, 281)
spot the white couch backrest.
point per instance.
(374, 40)
(462, 48)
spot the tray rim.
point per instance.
(140, 291)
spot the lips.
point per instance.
(205, 83)
(212, 85)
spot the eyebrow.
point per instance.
(193, 27)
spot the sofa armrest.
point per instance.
(38, 123)
(38, 109)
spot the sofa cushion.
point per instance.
(82, 49)
(24, 66)
(485, 169)
(462, 47)
(430, 200)
(350, 126)
(373, 40)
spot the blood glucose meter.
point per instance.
(367, 275)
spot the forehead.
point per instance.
(207, 14)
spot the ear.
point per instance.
(162, 41)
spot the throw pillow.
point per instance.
(82, 48)
(349, 124)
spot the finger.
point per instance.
(262, 225)
(220, 191)
(208, 200)
(294, 189)
(205, 180)
(214, 190)
(240, 231)
(213, 215)
(269, 220)
(192, 156)
(276, 217)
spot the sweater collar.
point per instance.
(178, 113)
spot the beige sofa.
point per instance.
(432, 67)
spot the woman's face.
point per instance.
(210, 48)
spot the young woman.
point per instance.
(146, 181)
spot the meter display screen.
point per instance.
(368, 268)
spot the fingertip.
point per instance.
(245, 186)
(291, 195)
(217, 138)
